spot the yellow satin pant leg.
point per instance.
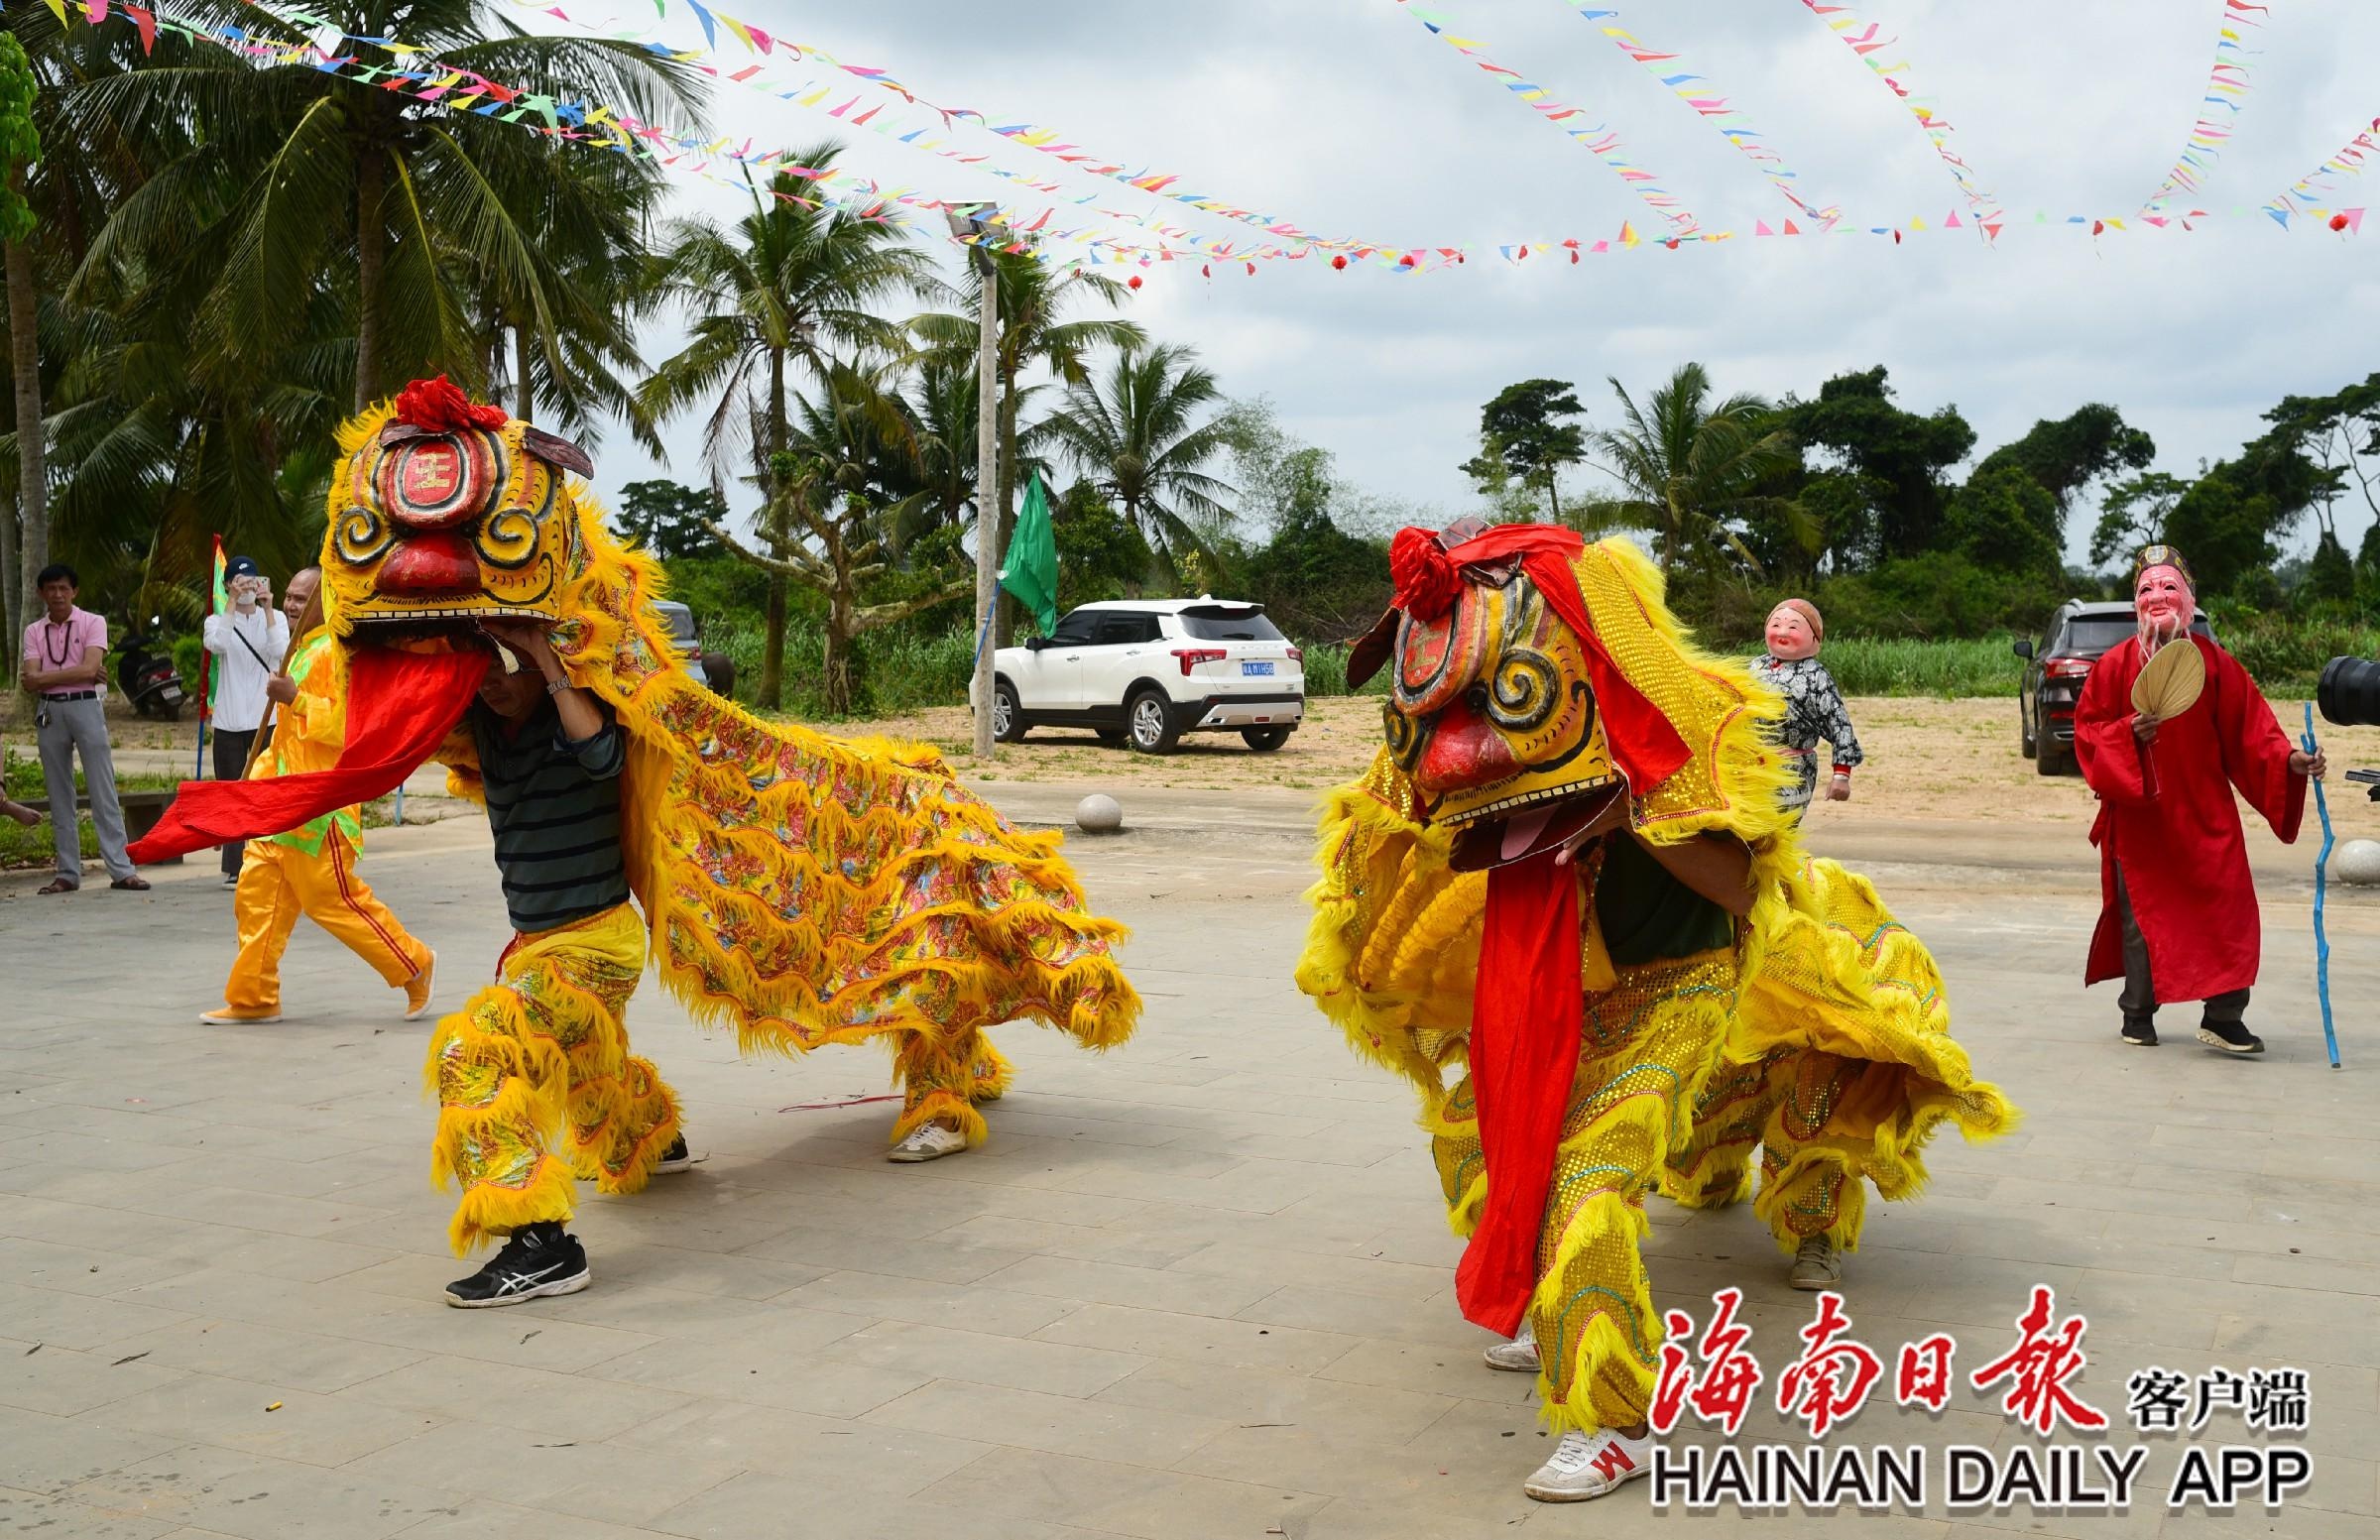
(1650, 1044)
(267, 909)
(536, 1085)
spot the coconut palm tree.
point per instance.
(1143, 436)
(785, 290)
(1686, 467)
(343, 180)
(1033, 333)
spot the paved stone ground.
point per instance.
(1197, 1287)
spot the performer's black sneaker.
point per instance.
(540, 1259)
(2140, 1031)
(677, 1158)
(2230, 1036)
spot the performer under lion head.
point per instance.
(1568, 903)
(801, 888)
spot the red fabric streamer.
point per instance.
(1525, 1021)
(400, 708)
(439, 407)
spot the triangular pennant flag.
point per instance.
(1760, 227)
(2354, 219)
(1952, 223)
(1789, 229)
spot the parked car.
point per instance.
(1147, 671)
(2079, 631)
(715, 669)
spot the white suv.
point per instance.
(1150, 670)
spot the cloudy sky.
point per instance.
(1349, 118)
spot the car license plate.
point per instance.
(1256, 671)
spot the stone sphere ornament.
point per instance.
(1099, 813)
(2357, 862)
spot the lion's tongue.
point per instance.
(400, 708)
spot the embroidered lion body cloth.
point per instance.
(803, 888)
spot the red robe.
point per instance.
(2165, 811)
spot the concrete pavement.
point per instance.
(1198, 1287)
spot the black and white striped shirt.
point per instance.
(555, 805)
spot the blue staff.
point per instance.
(2322, 937)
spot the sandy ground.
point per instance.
(1926, 758)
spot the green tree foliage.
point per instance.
(2068, 454)
(2330, 574)
(1690, 467)
(2134, 515)
(1143, 434)
(2007, 519)
(671, 519)
(2232, 519)
(1905, 455)
(1101, 554)
(1526, 436)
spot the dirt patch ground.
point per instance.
(1926, 758)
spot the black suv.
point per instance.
(2079, 632)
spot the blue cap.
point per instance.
(242, 567)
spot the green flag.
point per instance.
(1030, 573)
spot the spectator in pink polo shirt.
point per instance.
(65, 672)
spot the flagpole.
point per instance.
(987, 476)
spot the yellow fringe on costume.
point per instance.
(801, 888)
(1825, 1031)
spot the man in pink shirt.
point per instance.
(65, 672)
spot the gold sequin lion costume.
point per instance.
(1512, 914)
(801, 888)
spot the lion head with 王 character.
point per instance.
(446, 514)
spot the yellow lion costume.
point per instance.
(801, 888)
(1613, 760)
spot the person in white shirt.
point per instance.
(248, 641)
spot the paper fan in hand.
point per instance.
(2168, 685)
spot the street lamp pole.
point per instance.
(986, 478)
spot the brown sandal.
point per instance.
(57, 885)
(130, 884)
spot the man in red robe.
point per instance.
(2179, 917)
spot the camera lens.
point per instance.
(2349, 692)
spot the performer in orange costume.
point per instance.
(310, 871)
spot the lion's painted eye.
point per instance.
(1404, 736)
(1523, 690)
(508, 539)
(363, 536)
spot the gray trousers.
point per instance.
(75, 727)
(231, 762)
(2138, 1002)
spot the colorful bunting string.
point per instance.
(2227, 84)
(1597, 140)
(1701, 94)
(1864, 42)
(2349, 161)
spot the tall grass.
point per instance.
(1865, 666)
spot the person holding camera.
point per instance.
(248, 641)
(2177, 919)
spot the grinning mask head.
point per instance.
(2162, 600)
(447, 514)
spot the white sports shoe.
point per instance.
(1817, 1266)
(928, 1141)
(1517, 1357)
(1590, 1465)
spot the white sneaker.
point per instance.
(1590, 1465)
(1817, 1266)
(1517, 1357)
(928, 1141)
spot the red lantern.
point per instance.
(1251, 269)
(1205, 272)
(1574, 258)
(1896, 237)
(1134, 281)
(1339, 263)
(2338, 221)
(1405, 261)
(2098, 227)
(1671, 243)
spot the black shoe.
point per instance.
(677, 1158)
(538, 1261)
(2230, 1036)
(2140, 1031)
